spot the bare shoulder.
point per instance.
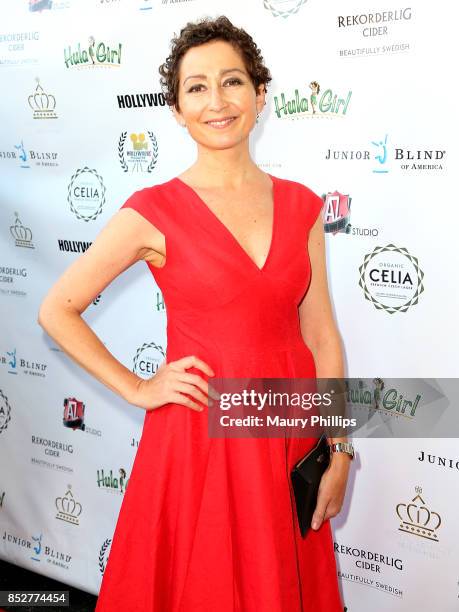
(138, 233)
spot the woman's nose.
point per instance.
(217, 98)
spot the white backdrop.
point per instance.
(77, 139)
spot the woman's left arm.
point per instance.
(320, 334)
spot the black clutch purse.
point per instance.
(306, 475)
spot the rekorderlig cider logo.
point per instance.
(95, 53)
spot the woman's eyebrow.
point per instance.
(203, 76)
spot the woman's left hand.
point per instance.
(332, 489)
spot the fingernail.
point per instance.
(315, 525)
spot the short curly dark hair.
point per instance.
(200, 32)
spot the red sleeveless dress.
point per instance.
(209, 524)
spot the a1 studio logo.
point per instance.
(73, 414)
(337, 212)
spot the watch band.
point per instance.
(342, 447)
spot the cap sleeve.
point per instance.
(147, 203)
(313, 205)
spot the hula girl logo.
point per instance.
(99, 54)
(326, 104)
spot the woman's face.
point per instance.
(215, 85)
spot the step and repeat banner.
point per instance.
(361, 109)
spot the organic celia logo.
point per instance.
(316, 104)
(283, 8)
(391, 278)
(96, 54)
(86, 194)
(147, 359)
(5, 412)
(139, 153)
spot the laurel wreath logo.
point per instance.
(154, 150)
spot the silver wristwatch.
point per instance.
(342, 447)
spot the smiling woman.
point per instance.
(209, 523)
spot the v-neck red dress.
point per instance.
(209, 524)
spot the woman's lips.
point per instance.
(221, 123)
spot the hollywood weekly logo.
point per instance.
(140, 154)
(314, 104)
(99, 54)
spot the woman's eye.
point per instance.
(234, 80)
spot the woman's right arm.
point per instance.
(125, 239)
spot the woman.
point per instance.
(209, 523)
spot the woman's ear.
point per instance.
(260, 97)
(178, 116)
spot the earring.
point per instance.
(258, 114)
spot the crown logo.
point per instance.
(42, 104)
(67, 508)
(21, 234)
(417, 519)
